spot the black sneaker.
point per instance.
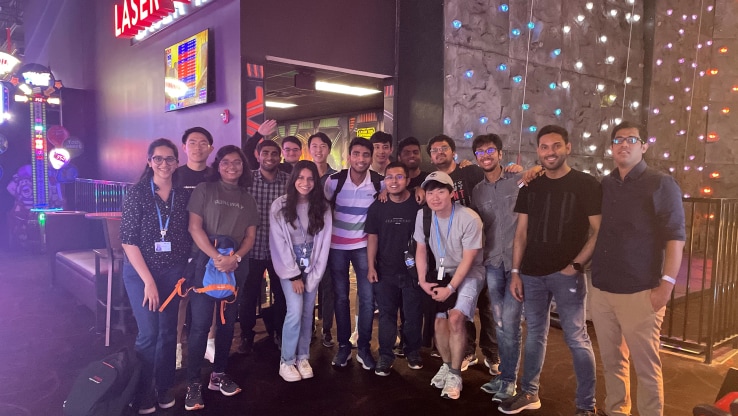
(328, 340)
(193, 397)
(435, 353)
(520, 402)
(148, 404)
(414, 361)
(342, 356)
(165, 399)
(246, 347)
(221, 382)
(583, 412)
(383, 366)
(398, 351)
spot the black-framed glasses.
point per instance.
(629, 140)
(490, 152)
(158, 160)
(442, 149)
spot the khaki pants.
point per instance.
(628, 329)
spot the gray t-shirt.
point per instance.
(225, 209)
(466, 234)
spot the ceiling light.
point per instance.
(276, 104)
(344, 89)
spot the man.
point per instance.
(319, 146)
(292, 151)
(348, 246)
(382, 143)
(249, 147)
(494, 200)
(442, 149)
(634, 266)
(558, 220)
(455, 238)
(197, 144)
(389, 227)
(408, 152)
(268, 184)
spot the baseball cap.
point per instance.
(438, 176)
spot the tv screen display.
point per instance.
(186, 80)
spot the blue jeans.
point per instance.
(507, 316)
(570, 293)
(298, 324)
(397, 292)
(156, 342)
(338, 263)
(202, 306)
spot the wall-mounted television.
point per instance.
(186, 79)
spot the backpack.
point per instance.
(341, 177)
(204, 277)
(105, 387)
(412, 245)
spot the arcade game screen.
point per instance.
(186, 81)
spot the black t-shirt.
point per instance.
(189, 179)
(394, 223)
(558, 219)
(417, 181)
(465, 179)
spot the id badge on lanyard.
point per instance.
(442, 247)
(162, 246)
(303, 261)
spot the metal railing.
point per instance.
(93, 195)
(702, 315)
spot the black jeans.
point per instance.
(393, 292)
(250, 294)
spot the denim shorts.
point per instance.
(466, 303)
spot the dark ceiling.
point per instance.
(280, 86)
(11, 17)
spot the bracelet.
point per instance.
(669, 279)
(515, 271)
(451, 287)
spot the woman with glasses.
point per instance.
(299, 241)
(156, 244)
(219, 207)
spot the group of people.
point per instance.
(429, 247)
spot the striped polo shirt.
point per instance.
(349, 216)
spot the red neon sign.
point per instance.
(134, 15)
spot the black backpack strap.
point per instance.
(427, 215)
(341, 178)
(376, 179)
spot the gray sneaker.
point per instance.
(439, 380)
(506, 391)
(492, 386)
(193, 398)
(519, 402)
(343, 356)
(452, 388)
(383, 366)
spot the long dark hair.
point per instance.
(246, 177)
(317, 204)
(148, 173)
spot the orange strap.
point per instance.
(177, 291)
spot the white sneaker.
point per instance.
(178, 365)
(304, 368)
(452, 388)
(210, 350)
(289, 372)
(439, 380)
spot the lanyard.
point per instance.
(442, 249)
(162, 227)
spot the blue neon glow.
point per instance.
(517, 78)
(456, 24)
(504, 7)
(501, 67)
(468, 135)
(557, 112)
(483, 120)
(552, 85)
(469, 73)
(557, 52)
(525, 106)
(531, 25)
(516, 32)
(532, 128)
(506, 120)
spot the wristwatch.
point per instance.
(577, 266)
(238, 258)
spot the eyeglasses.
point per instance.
(395, 177)
(158, 160)
(290, 150)
(235, 163)
(442, 149)
(192, 143)
(490, 151)
(629, 140)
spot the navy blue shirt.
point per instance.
(640, 213)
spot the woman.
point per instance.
(156, 243)
(221, 206)
(299, 240)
